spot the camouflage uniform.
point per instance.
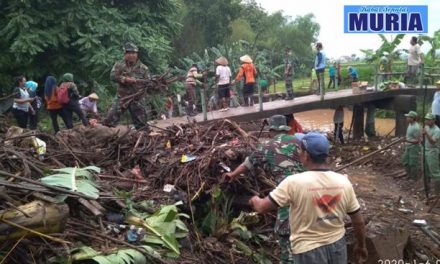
(279, 157)
(136, 108)
(288, 77)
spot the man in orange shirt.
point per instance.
(249, 72)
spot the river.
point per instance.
(322, 119)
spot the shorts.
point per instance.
(223, 91)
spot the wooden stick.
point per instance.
(12, 249)
(370, 154)
(34, 232)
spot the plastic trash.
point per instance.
(187, 158)
(168, 188)
(226, 168)
(39, 146)
(132, 235)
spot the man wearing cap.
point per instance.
(223, 80)
(288, 74)
(249, 73)
(319, 200)
(279, 157)
(128, 74)
(436, 104)
(88, 105)
(432, 141)
(411, 155)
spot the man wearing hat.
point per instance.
(223, 80)
(128, 74)
(432, 141)
(319, 200)
(288, 74)
(278, 157)
(436, 104)
(411, 155)
(249, 73)
(88, 105)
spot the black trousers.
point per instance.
(54, 113)
(332, 81)
(338, 132)
(437, 120)
(33, 120)
(21, 117)
(69, 109)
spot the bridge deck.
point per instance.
(299, 104)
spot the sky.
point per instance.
(329, 15)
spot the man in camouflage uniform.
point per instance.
(128, 75)
(279, 157)
(288, 74)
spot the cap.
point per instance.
(130, 47)
(429, 116)
(67, 77)
(316, 144)
(412, 114)
(278, 123)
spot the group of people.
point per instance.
(311, 200)
(430, 134)
(62, 99)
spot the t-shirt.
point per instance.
(332, 71)
(436, 103)
(318, 203)
(338, 117)
(21, 93)
(414, 53)
(224, 73)
(354, 73)
(88, 105)
(413, 132)
(320, 60)
(434, 132)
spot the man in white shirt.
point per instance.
(319, 199)
(223, 79)
(88, 105)
(415, 59)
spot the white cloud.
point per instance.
(329, 15)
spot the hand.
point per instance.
(129, 80)
(228, 177)
(253, 200)
(360, 254)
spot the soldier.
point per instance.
(288, 74)
(279, 157)
(128, 75)
(411, 156)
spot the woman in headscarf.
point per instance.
(22, 102)
(73, 105)
(55, 109)
(36, 104)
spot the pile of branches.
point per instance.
(190, 158)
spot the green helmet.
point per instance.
(130, 47)
(278, 123)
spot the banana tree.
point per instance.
(387, 52)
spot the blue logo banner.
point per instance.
(385, 19)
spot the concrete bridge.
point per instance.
(401, 101)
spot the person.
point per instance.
(234, 100)
(435, 107)
(73, 105)
(288, 74)
(338, 120)
(411, 155)
(319, 200)
(22, 102)
(190, 83)
(36, 104)
(53, 106)
(320, 61)
(338, 73)
(295, 126)
(264, 85)
(415, 59)
(279, 157)
(223, 80)
(332, 75)
(249, 73)
(353, 74)
(169, 106)
(89, 105)
(127, 74)
(431, 133)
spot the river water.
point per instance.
(322, 120)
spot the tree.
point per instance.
(82, 37)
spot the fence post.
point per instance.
(422, 76)
(375, 78)
(260, 97)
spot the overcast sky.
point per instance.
(329, 15)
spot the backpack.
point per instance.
(62, 92)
